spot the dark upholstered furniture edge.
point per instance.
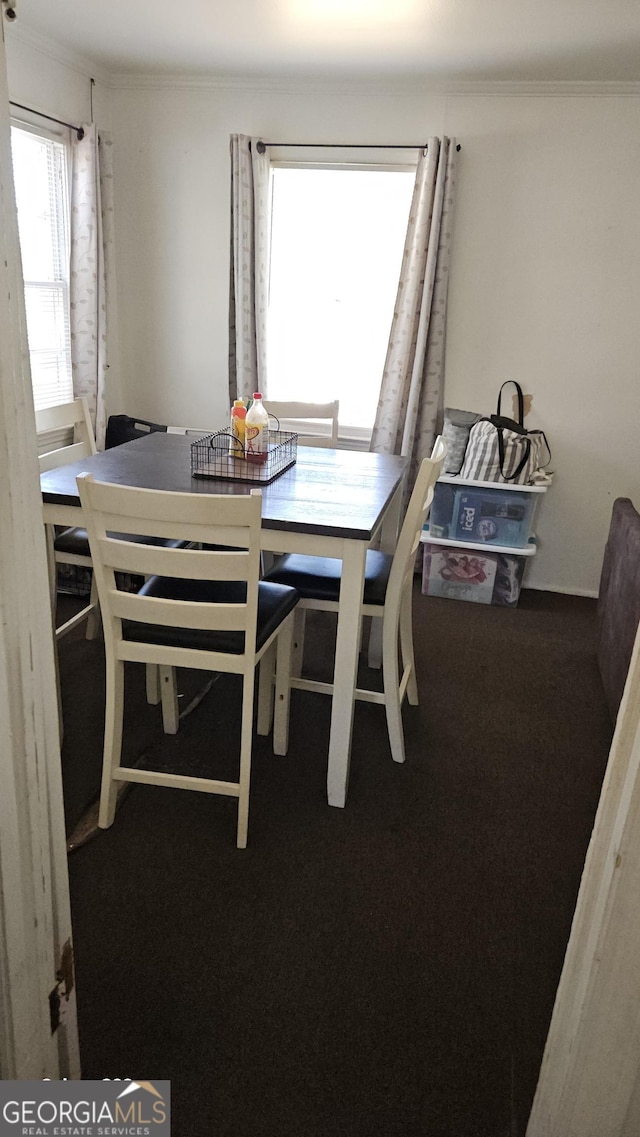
(619, 600)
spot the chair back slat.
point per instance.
(66, 416)
(315, 423)
(178, 613)
(173, 508)
(181, 530)
(187, 564)
(63, 456)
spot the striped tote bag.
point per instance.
(500, 449)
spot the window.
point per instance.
(40, 177)
(336, 249)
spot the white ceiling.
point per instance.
(462, 40)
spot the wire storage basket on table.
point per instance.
(210, 458)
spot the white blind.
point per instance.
(40, 176)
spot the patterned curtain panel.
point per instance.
(410, 393)
(91, 265)
(249, 260)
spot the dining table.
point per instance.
(330, 503)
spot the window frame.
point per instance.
(62, 137)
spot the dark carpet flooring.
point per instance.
(389, 968)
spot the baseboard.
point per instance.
(589, 593)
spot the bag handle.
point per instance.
(542, 433)
(520, 419)
(521, 465)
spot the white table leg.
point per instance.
(52, 569)
(345, 670)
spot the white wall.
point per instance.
(545, 288)
(545, 273)
(172, 163)
(50, 80)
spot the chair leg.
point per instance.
(283, 686)
(169, 698)
(246, 740)
(375, 644)
(94, 619)
(265, 691)
(391, 681)
(53, 571)
(152, 681)
(114, 709)
(297, 657)
(406, 646)
(267, 561)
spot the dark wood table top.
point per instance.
(337, 493)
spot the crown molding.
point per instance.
(574, 88)
(260, 84)
(382, 86)
(53, 49)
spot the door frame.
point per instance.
(38, 1028)
(589, 1084)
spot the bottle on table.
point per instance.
(257, 431)
(237, 430)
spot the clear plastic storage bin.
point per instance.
(473, 574)
(483, 514)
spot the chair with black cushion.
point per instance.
(388, 594)
(316, 424)
(70, 424)
(198, 608)
(71, 546)
(124, 428)
(189, 431)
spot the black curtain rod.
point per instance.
(78, 129)
(262, 146)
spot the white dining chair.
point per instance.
(198, 608)
(125, 428)
(70, 546)
(189, 431)
(71, 424)
(316, 424)
(388, 593)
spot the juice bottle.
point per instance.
(257, 431)
(237, 429)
